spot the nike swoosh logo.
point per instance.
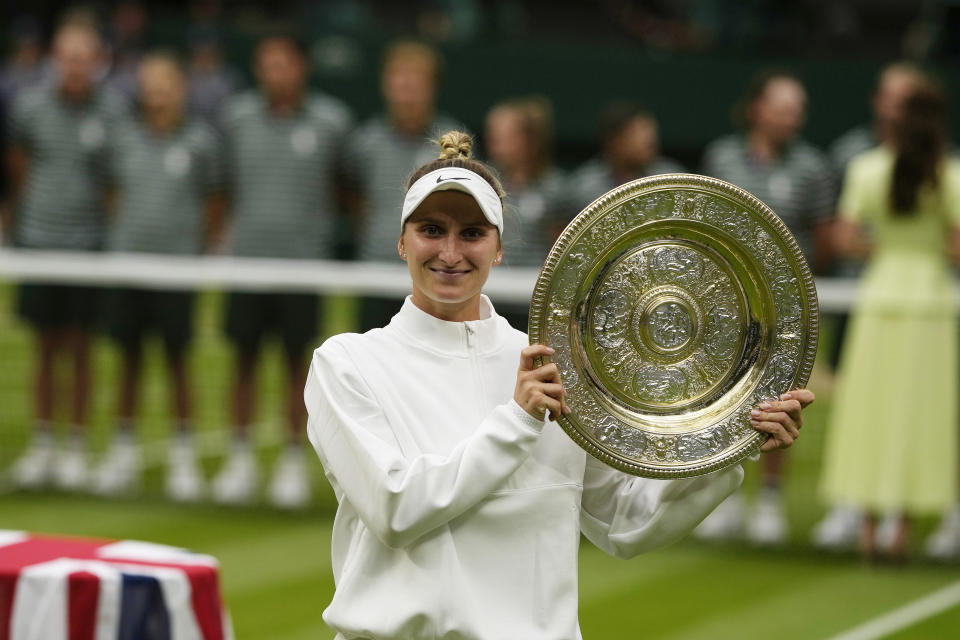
(442, 179)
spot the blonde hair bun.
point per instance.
(455, 145)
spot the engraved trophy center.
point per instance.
(648, 318)
(667, 324)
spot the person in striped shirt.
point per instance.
(166, 172)
(56, 162)
(519, 143)
(769, 159)
(283, 146)
(630, 150)
(382, 153)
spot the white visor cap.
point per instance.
(456, 179)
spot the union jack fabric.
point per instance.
(55, 588)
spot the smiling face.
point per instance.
(449, 247)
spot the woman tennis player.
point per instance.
(460, 507)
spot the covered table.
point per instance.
(54, 588)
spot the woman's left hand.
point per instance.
(781, 418)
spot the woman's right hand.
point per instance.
(539, 388)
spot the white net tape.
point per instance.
(506, 284)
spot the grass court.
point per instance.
(275, 566)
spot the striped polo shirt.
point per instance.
(62, 204)
(379, 162)
(280, 174)
(530, 216)
(798, 185)
(162, 181)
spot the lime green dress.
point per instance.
(891, 443)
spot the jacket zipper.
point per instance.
(471, 339)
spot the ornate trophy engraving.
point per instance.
(675, 304)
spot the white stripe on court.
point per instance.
(907, 615)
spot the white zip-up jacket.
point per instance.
(460, 514)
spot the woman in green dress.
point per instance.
(892, 442)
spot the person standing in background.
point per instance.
(282, 155)
(895, 82)
(519, 142)
(891, 445)
(631, 150)
(165, 169)
(383, 151)
(840, 526)
(56, 163)
(770, 160)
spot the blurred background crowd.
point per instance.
(288, 132)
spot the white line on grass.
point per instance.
(909, 614)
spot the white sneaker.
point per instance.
(767, 524)
(119, 472)
(184, 477)
(33, 469)
(725, 522)
(238, 480)
(944, 543)
(70, 472)
(290, 485)
(838, 530)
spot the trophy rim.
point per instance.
(601, 206)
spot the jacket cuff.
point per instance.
(524, 418)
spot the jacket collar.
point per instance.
(452, 338)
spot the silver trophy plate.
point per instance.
(675, 304)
